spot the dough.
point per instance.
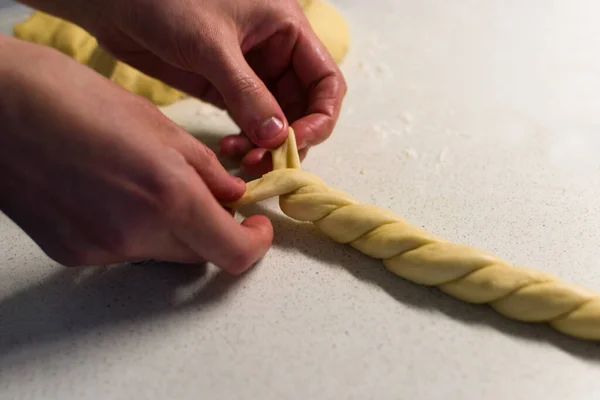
(47, 30)
(44, 29)
(329, 25)
(466, 273)
(133, 80)
(75, 42)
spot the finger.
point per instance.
(235, 146)
(326, 88)
(209, 230)
(292, 96)
(257, 162)
(272, 58)
(168, 248)
(249, 101)
(186, 81)
(172, 250)
(224, 186)
(70, 247)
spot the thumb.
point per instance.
(249, 101)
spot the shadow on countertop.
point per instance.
(312, 243)
(75, 301)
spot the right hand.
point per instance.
(96, 175)
(258, 59)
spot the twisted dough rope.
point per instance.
(466, 273)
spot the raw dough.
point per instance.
(467, 273)
(47, 30)
(329, 25)
(70, 39)
(75, 42)
(133, 80)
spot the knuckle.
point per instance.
(291, 23)
(186, 53)
(167, 189)
(195, 46)
(245, 85)
(166, 200)
(202, 151)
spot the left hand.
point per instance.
(258, 59)
(96, 175)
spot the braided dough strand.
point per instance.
(466, 273)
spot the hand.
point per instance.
(96, 175)
(258, 59)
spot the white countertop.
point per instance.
(479, 120)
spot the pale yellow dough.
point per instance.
(75, 42)
(467, 273)
(329, 25)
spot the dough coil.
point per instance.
(469, 274)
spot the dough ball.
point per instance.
(329, 25)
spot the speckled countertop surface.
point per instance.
(479, 121)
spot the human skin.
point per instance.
(258, 59)
(97, 175)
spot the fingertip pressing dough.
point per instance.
(469, 274)
(75, 42)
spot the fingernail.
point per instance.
(269, 129)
